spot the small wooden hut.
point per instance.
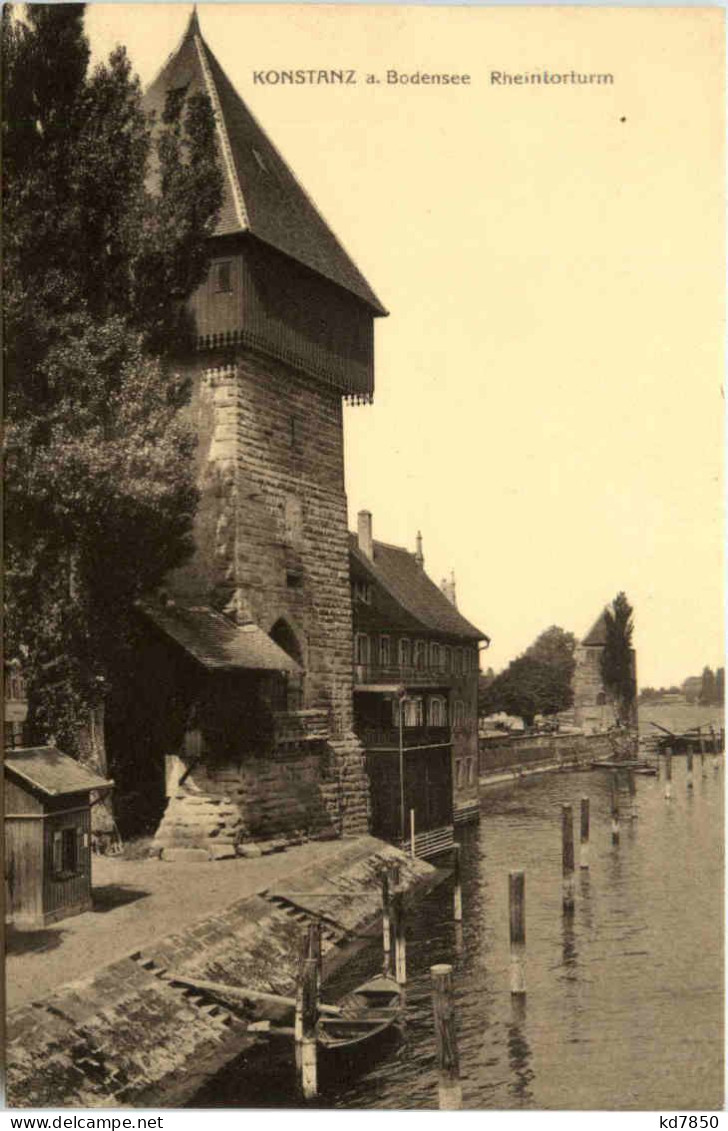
(47, 835)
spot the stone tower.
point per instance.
(284, 333)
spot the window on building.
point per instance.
(384, 651)
(435, 656)
(437, 711)
(458, 661)
(420, 655)
(294, 578)
(458, 772)
(67, 844)
(413, 712)
(222, 276)
(447, 658)
(458, 713)
(362, 592)
(361, 648)
(405, 654)
(471, 771)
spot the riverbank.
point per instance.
(95, 1017)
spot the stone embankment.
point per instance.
(128, 1035)
(503, 758)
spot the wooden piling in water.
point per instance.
(689, 775)
(517, 919)
(308, 998)
(386, 924)
(400, 939)
(703, 771)
(715, 744)
(584, 834)
(632, 785)
(615, 808)
(668, 774)
(457, 894)
(449, 1090)
(412, 834)
(567, 859)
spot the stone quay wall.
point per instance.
(129, 1035)
(520, 752)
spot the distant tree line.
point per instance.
(708, 689)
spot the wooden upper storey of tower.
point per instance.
(280, 281)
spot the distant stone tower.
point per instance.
(284, 326)
(594, 707)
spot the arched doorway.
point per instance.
(291, 685)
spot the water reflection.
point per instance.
(519, 1052)
(604, 1025)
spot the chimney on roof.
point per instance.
(364, 534)
(448, 588)
(419, 556)
(453, 595)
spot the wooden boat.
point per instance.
(635, 765)
(367, 1013)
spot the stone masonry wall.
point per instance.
(132, 1035)
(272, 527)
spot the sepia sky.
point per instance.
(548, 406)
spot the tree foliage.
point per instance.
(617, 659)
(107, 216)
(536, 683)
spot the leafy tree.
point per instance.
(617, 659)
(107, 215)
(555, 648)
(536, 683)
(708, 690)
(720, 687)
(528, 687)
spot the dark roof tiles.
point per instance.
(396, 569)
(48, 770)
(597, 634)
(215, 641)
(261, 194)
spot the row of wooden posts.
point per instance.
(395, 942)
(690, 767)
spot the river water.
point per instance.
(624, 1004)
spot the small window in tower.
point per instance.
(223, 277)
(294, 578)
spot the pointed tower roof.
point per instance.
(261, 194)
(597, 634)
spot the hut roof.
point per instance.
(261, 194)
(46, 769)
(404, 578)
(216, 642)
(597, 634)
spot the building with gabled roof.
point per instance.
(47, 834)
(594, 708)
(243, 716)
(415, 693)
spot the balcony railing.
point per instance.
(407, 676)
(387, 738)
